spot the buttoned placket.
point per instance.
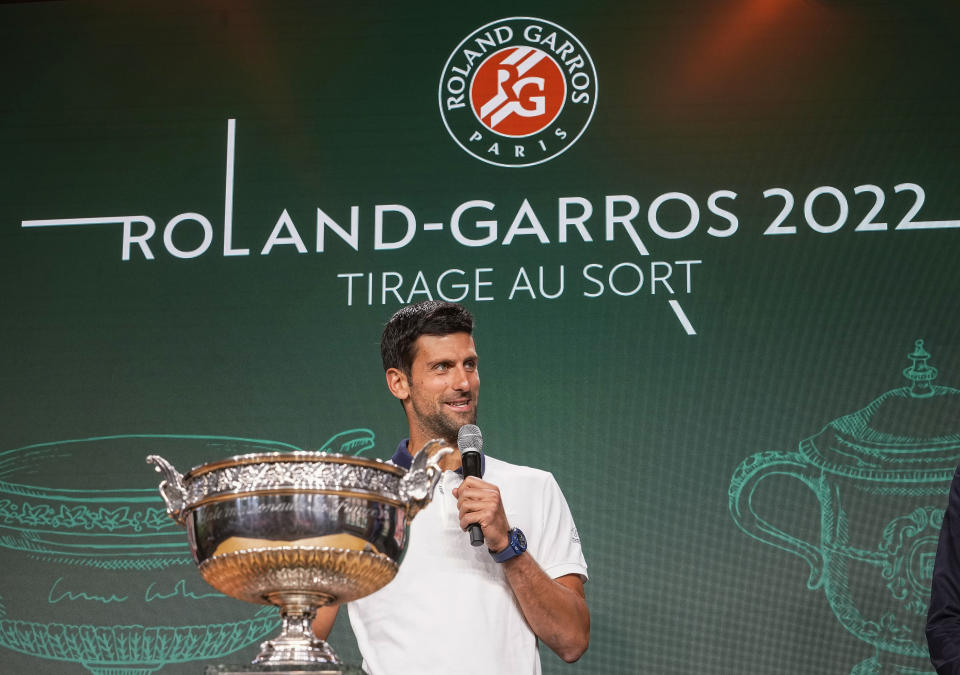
(448, 503)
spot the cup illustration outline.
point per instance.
(880, 495)
(110, 531)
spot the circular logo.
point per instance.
(518, 92)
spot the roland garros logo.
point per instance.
(518, 92)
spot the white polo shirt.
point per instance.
(450, 608)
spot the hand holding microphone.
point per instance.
(470, 442)
(479, 501)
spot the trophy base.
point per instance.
(885, 663)
(306, 669)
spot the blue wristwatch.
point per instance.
(516, 546)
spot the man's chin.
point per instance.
(466, 418)
(448, 426)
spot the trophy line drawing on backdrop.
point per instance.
(881, 475)
(94, 573)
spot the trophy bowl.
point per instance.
(300, 531)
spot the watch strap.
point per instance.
(516, 545)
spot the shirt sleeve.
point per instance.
(943, 617)
(558, 552)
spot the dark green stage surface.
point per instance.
(753, 228)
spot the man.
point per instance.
(455, 608)
(943, 616)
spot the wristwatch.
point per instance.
(516, 546)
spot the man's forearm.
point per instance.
(323, 622)
(556, 609)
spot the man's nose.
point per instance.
(461, 379)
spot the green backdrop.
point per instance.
(768, 200)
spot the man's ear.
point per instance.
(398, 384)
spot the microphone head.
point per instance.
(469, 438)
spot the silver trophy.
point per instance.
(300, 531)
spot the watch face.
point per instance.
(521, 544)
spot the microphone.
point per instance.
(470, 442)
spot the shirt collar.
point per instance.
(404, 459)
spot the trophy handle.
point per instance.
(171, 487)
(743, 484)
(417, 485)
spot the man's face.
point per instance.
(444, 386)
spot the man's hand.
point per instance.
(479, 502)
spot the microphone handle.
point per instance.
(476, 534)
(471, 467)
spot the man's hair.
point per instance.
(430, 317)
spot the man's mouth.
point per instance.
(459, 404)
